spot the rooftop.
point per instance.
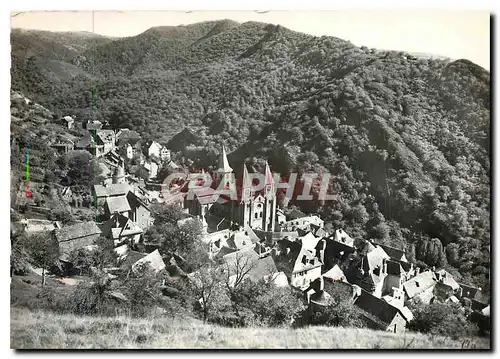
(115, 189)
(77, 230)
(117, 204)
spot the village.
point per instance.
(285, 247)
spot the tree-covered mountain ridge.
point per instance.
(406, 138)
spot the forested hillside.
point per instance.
(405, 138)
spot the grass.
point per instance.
(46, 330)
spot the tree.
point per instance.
(278, 306)
(19, 256)
(207, 283)
(143, 290)
(441, 319)
(85, 260)
(83, 172)
(43, 251)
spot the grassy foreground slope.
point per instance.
(45, 330)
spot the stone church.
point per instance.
(245, 208)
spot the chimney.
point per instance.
(417, 271)
(384, 266)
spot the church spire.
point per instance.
(247, 181)
(269, 176)
(224, 163)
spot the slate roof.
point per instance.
(225, 250)
(448, 279)
(342, 237)
(206, 195)
(117, 204)
(76, 236)
(77, 230)
(375, 257)
(243, 259)
(392, 252)
(116, 189)
(419, 283)
(105, 171)
(135, 201)
(468, 291)
(305, 260)
(394, 268)
(153, 260)
(334, 273)
(377, 307)
(263, 267)
(320, 298)
(309, 241)
(279, 279)
(242, 239)
(106, 136)
(318, 231)
(334, 249)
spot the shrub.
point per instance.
(143, 291)
(93, 298)
(442, 319)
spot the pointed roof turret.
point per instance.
(223, 162)
(247, 181)
(269, 175)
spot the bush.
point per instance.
(442, 319)
(143, 291)
(265, 304)
(93, 298)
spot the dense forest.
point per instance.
(405, 138)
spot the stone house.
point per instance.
(381, 315)
(306, 269)
(331, 252)
(76, 236)
(153, 148)
(122, 230)
(342, 237)
(139, 211)
(370, 271)
(117, 205)
(106, 139)
(303, 223)
(101, 192)
(421, 286)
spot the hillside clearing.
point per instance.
(44, 330)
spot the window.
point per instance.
(260, 214)
(256, 215)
